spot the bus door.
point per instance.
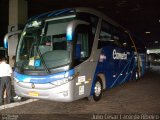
(83, 41)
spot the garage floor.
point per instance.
(138, 98)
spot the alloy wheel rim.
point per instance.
(97, 88)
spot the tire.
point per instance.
(98, 88)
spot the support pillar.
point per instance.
(17, 18)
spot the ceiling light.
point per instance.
(155, 42)
(147, 32)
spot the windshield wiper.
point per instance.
(43, 62)
(40, 55)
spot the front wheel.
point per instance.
(98, 87)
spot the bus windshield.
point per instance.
(43, 45)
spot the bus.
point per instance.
(73, 53)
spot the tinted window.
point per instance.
(121, 37)
(105, 37)
(92, 19)
(111, 35)
(83, 43)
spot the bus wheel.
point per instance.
(98, 87)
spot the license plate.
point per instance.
(34, 94)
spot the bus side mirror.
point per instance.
(11, 41)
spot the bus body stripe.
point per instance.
(110, 80)
(43, 79)
(119, 75)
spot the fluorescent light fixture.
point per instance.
(156, 41)
(149, 51)
(147, 32)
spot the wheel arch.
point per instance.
(103, 78)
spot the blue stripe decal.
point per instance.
(128, 70)
(58, 12)
(125, 77)
(66, 10)
(43, 79)
(119, 75)
(50, 14)
(32, 18)
(40, 16)
(53, 13)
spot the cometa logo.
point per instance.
(119, 56)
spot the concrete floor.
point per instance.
(138, 98)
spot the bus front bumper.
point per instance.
(62, 93)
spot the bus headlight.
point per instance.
(62, 81)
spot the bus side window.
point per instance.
(122, 38)
(82, 47)
(83, 43)
(105, 35)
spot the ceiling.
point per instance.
(139, 16)
(3, 19)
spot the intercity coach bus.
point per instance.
(74, 53)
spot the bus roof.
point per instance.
(66, 11)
